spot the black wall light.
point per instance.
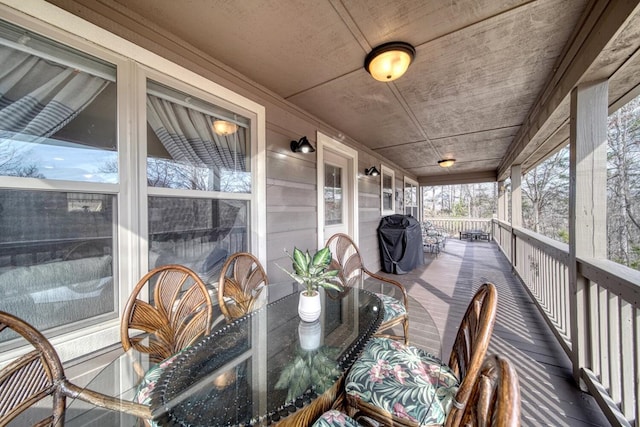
(302, 146)
(372, 171)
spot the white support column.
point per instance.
(516, 208)
(587, 205)
(505, 207)
(516, 195)
(501, 204)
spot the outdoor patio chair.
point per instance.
(494, 400)
(434, 239)
(353, 273)
(32, 380)
(178, 314)
(495, 397)
(395, 399)
(242, 280)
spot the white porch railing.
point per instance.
(454, 226)
(501, 232)
(607, 323)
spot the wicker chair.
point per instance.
(494, 400)
(455, 380)
(38, 375)
(179, 313)
(347, 259)
(495, 397)
(242, 280)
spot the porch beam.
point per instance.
(598, 28)
(459, 178)
(587, 206)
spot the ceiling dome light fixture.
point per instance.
(446, 163)
(223, 127)
(389, 61)
(302, 146)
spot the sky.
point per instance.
(63, 161)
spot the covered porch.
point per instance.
(568, 318)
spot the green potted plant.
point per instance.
(311, 272)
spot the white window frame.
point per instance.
(150, 74)
(413, 183)
(133, 64)
(325, 142)
(388, 171)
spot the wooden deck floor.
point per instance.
(445, 284)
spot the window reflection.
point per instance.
(56, 256)
(332, 195)
(56, 121)
(197, 233)
(387, 192)
(186, 150)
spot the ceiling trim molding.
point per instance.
(599, 27)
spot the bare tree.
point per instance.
(465, 200)
(15, 163)
(545, 203)
(623, 184)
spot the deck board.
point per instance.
(445, 284)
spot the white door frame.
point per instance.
(325, 142)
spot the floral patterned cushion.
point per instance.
(333, 418)
(403, 380)
(146, 386)
(392, 307)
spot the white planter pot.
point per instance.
(309, 334)
(309, 308)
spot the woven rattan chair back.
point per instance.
(346, 259)
(471, 344)
(32, 377)
(495, 397)
(240, 287)
(178, 314)
(352, 273)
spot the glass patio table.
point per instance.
(265, 368)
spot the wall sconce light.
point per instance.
(372, 171)
(302, 146)
(223, 127)
(446, 163)
(389, 61)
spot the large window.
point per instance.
(203, 151)
(387, 191)
(57, 125)
(102, 178)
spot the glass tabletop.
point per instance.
(267, 365)
(262, 368)
(120, 379)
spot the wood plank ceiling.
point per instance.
(474, 92)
